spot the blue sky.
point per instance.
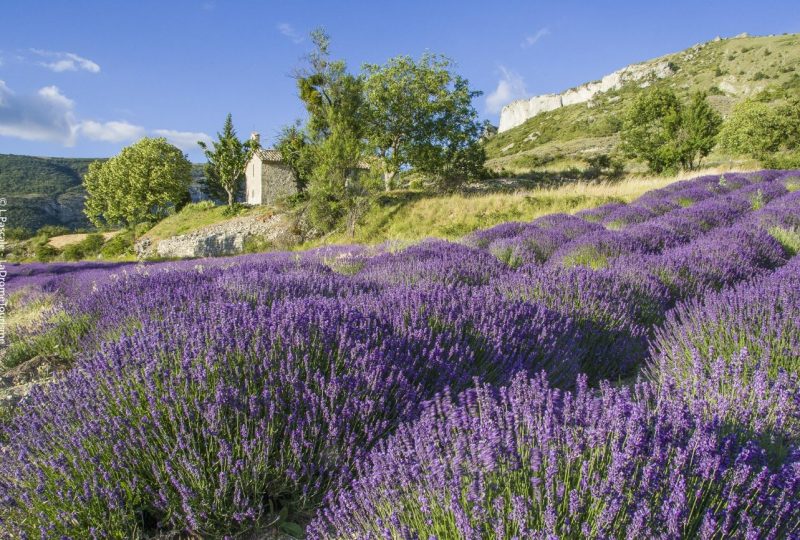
(85, 78)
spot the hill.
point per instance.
(47, 190)
(43, 191)
(728, 70)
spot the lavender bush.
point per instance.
(613, 310)
(762, 317)
(528, 461)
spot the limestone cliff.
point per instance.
(517, 112)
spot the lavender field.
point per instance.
(627, 372)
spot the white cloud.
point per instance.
(511, 86)
(114, 131)
(185, 140)
(46, 115)
(530, 41)
(66, 61)
(288, 30)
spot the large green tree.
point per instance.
(660, 130)
(333, 146)
(699, 129)
(144, 182)
(650, 127)
(757, 129)
(420, 115)
(227, 160)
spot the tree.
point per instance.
(333, 145)
(790, 112)
(756, 129)
(699, 131)
(295, 149)
(420, 114)
(227, 161)
(144, 182)
(210, 186)
(660, 130)
(650, 128)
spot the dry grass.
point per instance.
(59, 242)
(408, 217)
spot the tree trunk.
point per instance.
(387, 179)
(230, 198)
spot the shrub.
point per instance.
(613, 311)
(531, 462)
(59, 336)
(201, 205)
(18, 233)
(172, 435)
(176, 424)
(760, 317)
(257, 244)
(233, 210)
(754, 129)
(717, 260)
(45, 252)
(49, 231)
(121, 244)
(88, 247)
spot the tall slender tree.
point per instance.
(227, 160)
(334, 148)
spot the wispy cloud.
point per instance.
(114, 132)
(288, 30)
(185, 140)
(208, 5)
(511, 86)
(66, 61)
(532, 40)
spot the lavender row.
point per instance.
(528, 461)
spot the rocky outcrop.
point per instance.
(227, 238)
(517, 112)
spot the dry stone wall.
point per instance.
(227, 238)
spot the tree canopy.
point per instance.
(144, 182)
(227, 160)
(759, 129)
(406, 114)
(660, 130)
(420, 115)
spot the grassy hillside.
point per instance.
(729, 70)
(43, 191)
(47, 190)
(410, 216)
